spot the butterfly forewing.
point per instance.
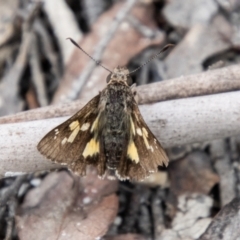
(66, 143)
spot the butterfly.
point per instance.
(110, 133)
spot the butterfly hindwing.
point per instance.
(75, 142)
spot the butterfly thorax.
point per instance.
(118, 100)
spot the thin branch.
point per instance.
(47, 48)
(37, 75)
(174, 123)
(60, 110)
(10, 82)
(141, 28)
(210, 82)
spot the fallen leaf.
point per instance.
(64, 206)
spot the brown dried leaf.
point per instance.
(65, 206)
(198, 44)
(192, 174)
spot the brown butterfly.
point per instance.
(108, 132)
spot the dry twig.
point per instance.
(48, 48)
(37, 76)
(174, 123)
(210, 82)
(10, 81)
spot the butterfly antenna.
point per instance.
(153, 57)
(97, 62)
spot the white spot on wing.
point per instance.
(145, 136)
(145, 132)
(139, 131)
(85, 127)
(64, 141)
(73, 134)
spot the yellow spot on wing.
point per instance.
(91, 148)
(132, 126)
(132, 152)
(95, 124)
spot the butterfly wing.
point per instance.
(75, 142)
(144, 152)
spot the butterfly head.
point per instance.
(120, 75)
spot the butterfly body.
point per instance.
(118, 100)
(110, 133)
